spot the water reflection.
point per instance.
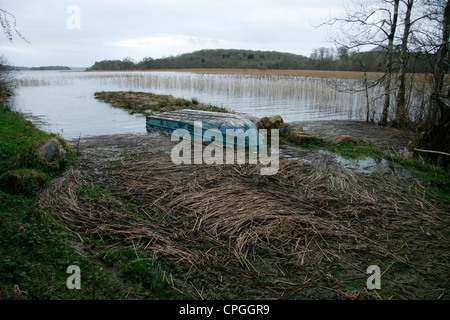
(65, 100)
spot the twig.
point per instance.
(432, 151)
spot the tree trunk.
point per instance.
(440, 68)
(401, 116)
(437, 131)
(442, 62)
(367, 95)
(389, 64)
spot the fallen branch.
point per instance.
(432, 151)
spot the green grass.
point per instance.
(144, 271)
(36, 249)
(19, 140)
(34, 256)
(437, 178)
(351, 150)
(92, 192)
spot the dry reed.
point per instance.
(177, 208)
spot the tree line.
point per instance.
(340, 59)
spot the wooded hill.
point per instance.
(320, 59)
(52, 68)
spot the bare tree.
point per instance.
(400, 111)
(6, 88)
(371, 25)
(9, 25)
(433, 40)
(442, 63)
(389, 64)
(436, 134)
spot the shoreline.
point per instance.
(328, 74)
(216, 229)
(356, 75)
(308, 232)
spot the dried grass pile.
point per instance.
(208, 215)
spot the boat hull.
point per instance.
(208, 126)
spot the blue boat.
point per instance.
(232, 126)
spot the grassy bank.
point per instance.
(36, 249)
(20, 168)
(147, 103)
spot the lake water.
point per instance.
(63, 102)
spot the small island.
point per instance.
(43, 68)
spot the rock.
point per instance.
(290, 131)
(287, 128)
(261, 124)
(51, 153)
(272, 122)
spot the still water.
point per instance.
(63, 102)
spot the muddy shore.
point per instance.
(226, 232)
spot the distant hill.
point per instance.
(320, 59)
(241, 59)
(43, 68)
(51, 68)
(212, 58)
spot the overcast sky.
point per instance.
(78, 33)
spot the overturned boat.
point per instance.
(208, 126)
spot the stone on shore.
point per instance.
(272, 122)
(52, 154)
(288, 128)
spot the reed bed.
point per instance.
(297, 95)
(254, 93)
(302, 73)
(232, 219)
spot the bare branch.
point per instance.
(8, 29)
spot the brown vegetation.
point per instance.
(227, 232)
(301, 73)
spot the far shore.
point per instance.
(272, 72)
(332, 74)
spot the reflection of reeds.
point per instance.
(324, 93)
(32, 82)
